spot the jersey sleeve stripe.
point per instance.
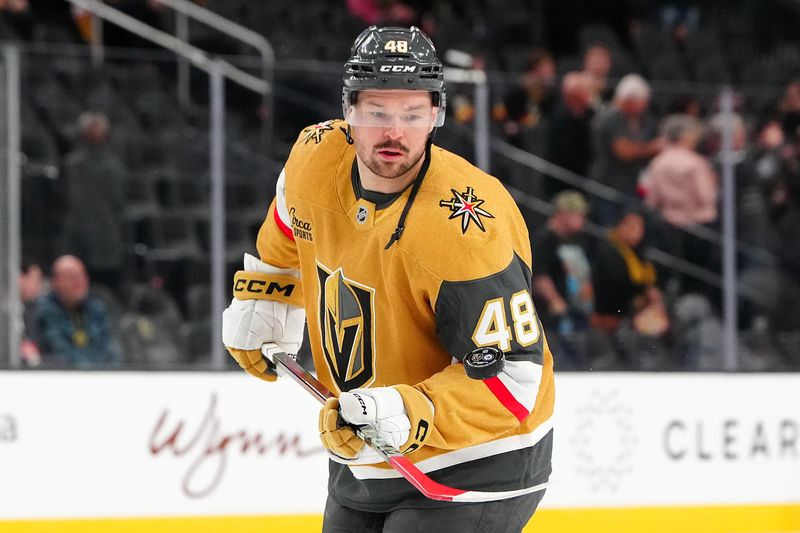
(502, 393)
(282, 218)
(518, 386)
(281, 225)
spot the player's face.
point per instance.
(390, 130)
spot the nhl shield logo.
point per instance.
(361, 214)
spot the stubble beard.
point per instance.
(389, 170)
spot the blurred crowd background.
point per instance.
(606, 126)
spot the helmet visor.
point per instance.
(392, 109)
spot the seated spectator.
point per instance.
(31, 285)
(562, 287)
(74, 328)
(624, 140)
(679, 182)
(628, 305)
(570, 136)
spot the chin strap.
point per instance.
(398, 232)
(347, 136)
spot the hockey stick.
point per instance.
(428, 487)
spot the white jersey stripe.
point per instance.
(280, 200)
(522, 379)
(471, 453)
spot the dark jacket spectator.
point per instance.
(562, 286)
(597, 65)
(528, 105)
(624, 281)
(74, 327)
(570, 138)
(629, 307)
(624, 139)
(95, 195)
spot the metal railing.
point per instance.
(217, 70)
(194, 55)
(186, 10)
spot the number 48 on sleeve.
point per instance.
(493, 328)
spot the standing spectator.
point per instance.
(31, 285)
(562, 287)
(95, 196)
(789, 110)
(527, 106)
(570, 138)
(679, 182)
(74, 327)
(752, 212)
(626, 293)
(624, 140)
(597, 64)
(15, 20)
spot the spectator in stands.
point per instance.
(31, 286)
(386, 12)
(15, 20)
(625, 292)
(789, 109)
(752, 212)
(527, 106)
(74, 328)
(562, 288)
(679, 182)
(597, 64)
(95, 183)
(785, 196)
(570, 136)
(624, 140)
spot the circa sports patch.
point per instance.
(316, 131)
(467, 206)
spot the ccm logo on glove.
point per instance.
(261, 286)
(363, 404)
(257, 286)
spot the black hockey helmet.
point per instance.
(394, 58)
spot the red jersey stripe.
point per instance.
(506, 398)
(283, 227)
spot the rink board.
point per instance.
(223, 452)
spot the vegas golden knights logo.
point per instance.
(346, 318)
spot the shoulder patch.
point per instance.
(467, 206)
(316, 132)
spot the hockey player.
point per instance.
(404, 257)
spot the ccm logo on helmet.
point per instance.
(259, 286)
(398, 68)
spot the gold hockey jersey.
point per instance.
(458, 278)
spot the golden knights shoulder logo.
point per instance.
(316, 131)
(347, 327)
(467, 206)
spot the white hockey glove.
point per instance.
(400, 417)
(266, 309)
